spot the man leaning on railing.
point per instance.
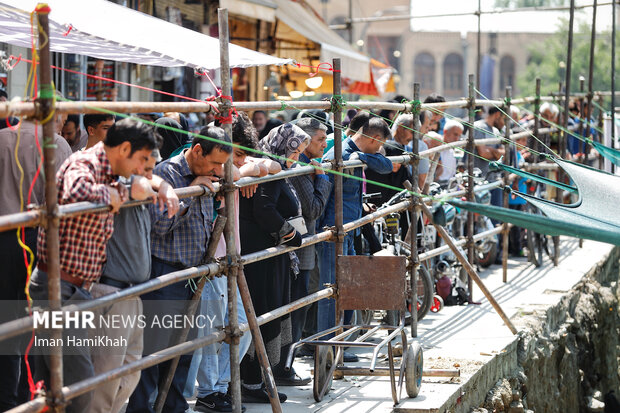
(90, 175)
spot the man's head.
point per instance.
(71, 129)
(243, 134)
(573, 108)
(402, 129)
(357, 122)
(129, 145)
(372, 136)
(452, 131)
(318, 136)
(426, 118)
(3, 95)
(150, 163)
(435, 98)
(97, 125)
(549, 112)
(209, 152)
(259, 119)
(495, 118)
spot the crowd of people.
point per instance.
(108, 160)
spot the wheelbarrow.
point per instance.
(366, 283)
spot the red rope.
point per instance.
(311, 74)
(121, 83)
(68, 30)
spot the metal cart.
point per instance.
(366, 283)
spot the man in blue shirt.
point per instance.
(178, 242)
(364, 145)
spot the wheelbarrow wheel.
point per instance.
(413, 370)
(437, 304)
(323, 360)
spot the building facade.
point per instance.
(439, 60)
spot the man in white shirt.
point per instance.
(452, 132)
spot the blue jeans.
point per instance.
(326, 314)
(175, 297)
(211, 364)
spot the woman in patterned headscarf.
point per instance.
(263, 224)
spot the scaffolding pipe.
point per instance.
(413, 231)
(33, 109)
(508, 160)
(84, 386)
(338, 189)
(46, 99)
(470, 172)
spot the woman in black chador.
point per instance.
(263, 224)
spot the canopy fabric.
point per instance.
(301, 19)
(592, 216)
(381, 81)
(106, 30)
(573, 227)
(599, 194)
(494, 166)
(375, 87)
(613, 155)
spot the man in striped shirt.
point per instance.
(90, 175)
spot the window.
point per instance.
(424, 72)
(506, 73)
(453, 75)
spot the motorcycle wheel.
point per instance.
(534, 248)
(426, 292)
(486, 259)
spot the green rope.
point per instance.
(191, 284)
(258, 152)
(47, 91)
(525, 130)
(338, 103)
(602, 109)
(416, 106)
(387, 144)
(283, 105)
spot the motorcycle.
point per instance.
(485, 250)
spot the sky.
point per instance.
(538, 21)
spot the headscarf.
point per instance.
(283, 141)
(172, 139)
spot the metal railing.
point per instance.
(50, 217)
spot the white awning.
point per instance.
(255, 9)
(105, 30)
(354, 64)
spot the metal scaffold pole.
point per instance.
(470, 179)
(232, 255)
(613, 80)
(46, 100)
(507, 160)
(415, 262)
(338, 183)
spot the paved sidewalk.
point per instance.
(464, 337)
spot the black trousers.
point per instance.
(13, 380)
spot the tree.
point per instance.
(548, 61)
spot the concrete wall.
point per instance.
(567, 360)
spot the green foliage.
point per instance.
(513, 4)
(548, 61)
